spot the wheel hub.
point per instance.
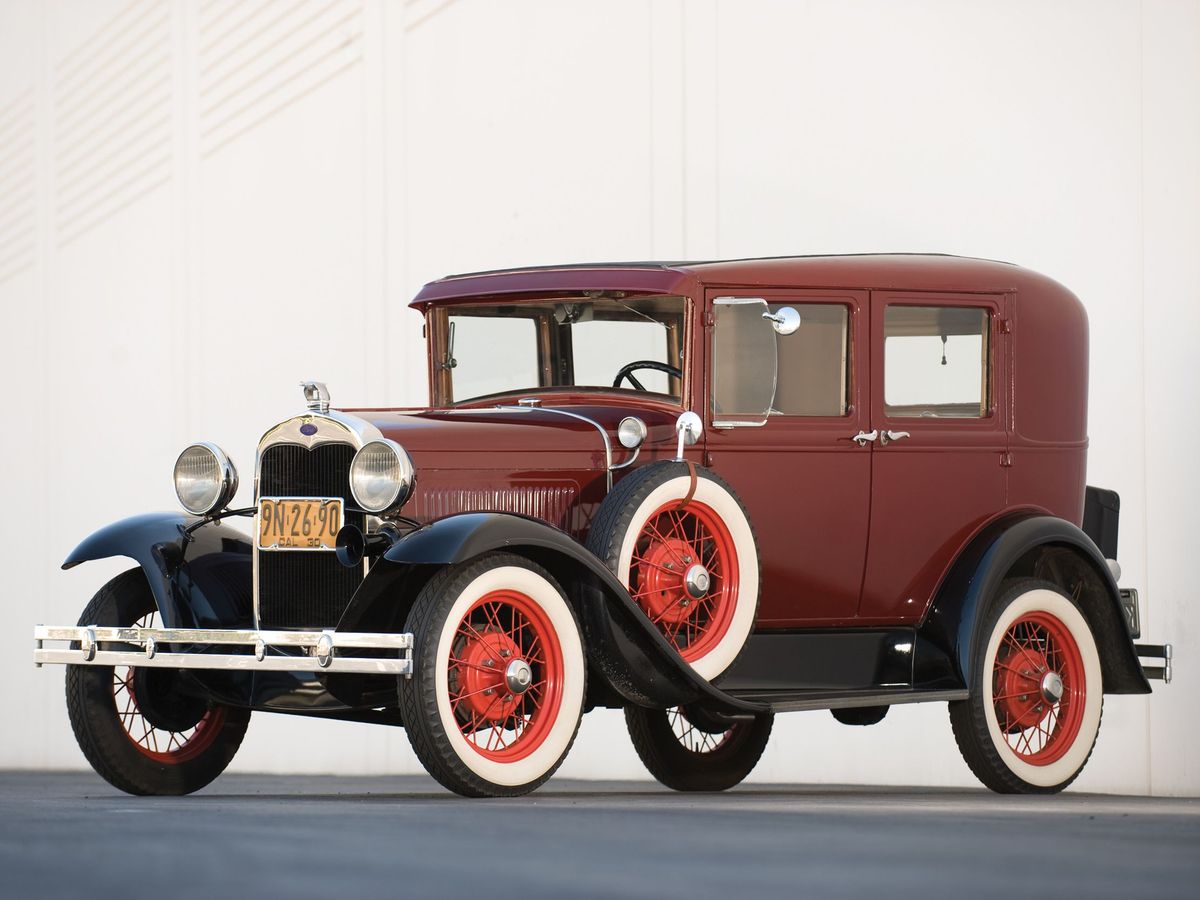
(492, 674)
(1024, 688)
(158, 698)
(668, 580)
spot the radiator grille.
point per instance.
(305, 589)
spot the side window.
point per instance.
(814, 362)
(936, 362)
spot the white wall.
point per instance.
(186, 189)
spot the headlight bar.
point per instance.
(323, 649)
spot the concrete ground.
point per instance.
(71, 835)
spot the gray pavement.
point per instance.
(70, 835)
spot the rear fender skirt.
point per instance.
(203, 580)
(1009, 544)
(624, 648)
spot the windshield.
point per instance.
(632, 344)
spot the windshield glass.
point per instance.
(627, 344)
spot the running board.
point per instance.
(794, 701)
(320, 651)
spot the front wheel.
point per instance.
(496, 696)
(699, 755)
(137, 727)
(1031, 721)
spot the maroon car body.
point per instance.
(832, 482)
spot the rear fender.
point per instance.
(624, 648)
(201, 580)
(1047, 547)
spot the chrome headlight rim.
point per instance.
(226, 483)
(401, 485)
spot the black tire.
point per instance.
(1013, 736)
(620, 527)
(472, 750)
(692, 758)
(146, 768)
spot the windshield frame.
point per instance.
(440, 384)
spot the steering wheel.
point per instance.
(628, 369)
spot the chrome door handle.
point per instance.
(865, 437)
(886, 436)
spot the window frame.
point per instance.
(998, 415)
(986, 404)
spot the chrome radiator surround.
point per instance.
(323, 651)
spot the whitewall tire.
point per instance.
(499, 678)
(1037, 693)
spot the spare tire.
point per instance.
(679, 539)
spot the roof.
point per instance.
(875, 271)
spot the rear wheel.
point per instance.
(694, 754)
(139, 730)
(497, 693)
(1031, 721)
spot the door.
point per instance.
(804, 480)
(940, 460)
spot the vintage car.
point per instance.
(705, 493)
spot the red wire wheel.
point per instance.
(170, 746)
(684, 574)
(1039, 688)
(505, 676)
(141, 727)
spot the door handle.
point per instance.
(886, 436)
(865, 437)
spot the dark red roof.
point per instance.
(911, 271)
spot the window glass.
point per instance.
(493, 353)
(599, 347)
(744, 362)
(525, 347)
(936, 361)
(814, 362)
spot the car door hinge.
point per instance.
(1005, 326)
(1005, 459)
(710, 320)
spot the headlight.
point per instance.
(382, 476)
(631, 432)
(205, 479)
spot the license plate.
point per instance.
(298, 523)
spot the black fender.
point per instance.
(1031, 544)
(199, 580)
(623, 646)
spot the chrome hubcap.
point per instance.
(697, 581)
(518, 676)
(1052, 687)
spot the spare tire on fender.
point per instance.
(679, 539)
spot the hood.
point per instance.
(556, 435)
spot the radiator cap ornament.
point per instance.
(316, 395)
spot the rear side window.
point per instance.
(936, 362)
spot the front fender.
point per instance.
(995, 554)
(201, 580)
(623, 645)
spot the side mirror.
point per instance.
(689, 428)
(785, 322)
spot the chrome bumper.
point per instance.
(321, 651)
(1164, 652)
